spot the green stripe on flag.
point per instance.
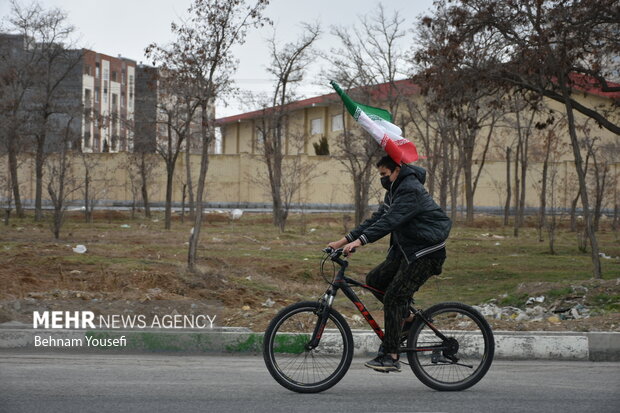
(353, 107)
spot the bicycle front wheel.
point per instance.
(461, 359)
(288, 358)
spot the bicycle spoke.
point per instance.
(462, 358)
(299, 366)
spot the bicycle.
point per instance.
(308, 346)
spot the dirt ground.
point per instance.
(248, 272)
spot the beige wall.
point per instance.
(236, 179)
(299, 124)
(238, 175)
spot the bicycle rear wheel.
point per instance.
(466, 354)
(295, 366)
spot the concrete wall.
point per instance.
(241, 179)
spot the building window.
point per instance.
(87, 70)
(97, 70)
(316, 126)
(114, 76)
(337, 122)
(87, 98)
(260, 136)
(130, 87)
(123, 99)
(123, 76)
(96, 94)
(106, 74)
(105, 91)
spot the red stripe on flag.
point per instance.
(405, 153)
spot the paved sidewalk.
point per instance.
(599, 346)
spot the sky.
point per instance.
(126, 27)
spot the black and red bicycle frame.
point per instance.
(344, 283)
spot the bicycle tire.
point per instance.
(474, 349)
(291, 364)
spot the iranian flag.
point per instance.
(378, 122)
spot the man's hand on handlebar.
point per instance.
(338, 244)
(350, 247)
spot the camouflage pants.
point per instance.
(400, 281)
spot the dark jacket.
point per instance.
(417, 224)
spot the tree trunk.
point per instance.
(39, 160)
(183, 203)
(445, 176)
(169, 178)
(596, 259)
(144, 186)
(19, 210)
(573, 213)
(469, 194)
(361, 199)
(543, 192)
(206, 131)
(517, 187)
(454, 194)
(601, 183)
(508, 187)
(551, 232)
(188, 171)
(87, 206)
(170, 164)
(614, 224)
(522, 192)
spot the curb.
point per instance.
(528, 345)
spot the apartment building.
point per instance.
(160, 112)
(108, 96)
(95, 96)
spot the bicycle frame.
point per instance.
(341, 282)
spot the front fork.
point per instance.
(325, 304)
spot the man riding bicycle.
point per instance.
(419, 229)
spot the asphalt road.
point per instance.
(69, 382)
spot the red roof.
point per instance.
(591, 85)
(378, 92)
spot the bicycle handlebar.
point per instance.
(335, 253)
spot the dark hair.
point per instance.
(388, 163)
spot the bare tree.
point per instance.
(62, 181)
(201, 55)
(97, 182)
(288, 66)
(140, 167)
(371, 53)
(523, 123)
(426, 127)
(176, 109)
(508, 187)
(16, 83)
(474, 106)
(53, 62)
(567, 43)
(600, 172)
(5, 189)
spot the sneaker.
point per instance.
(381, 352)
(383, 364)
